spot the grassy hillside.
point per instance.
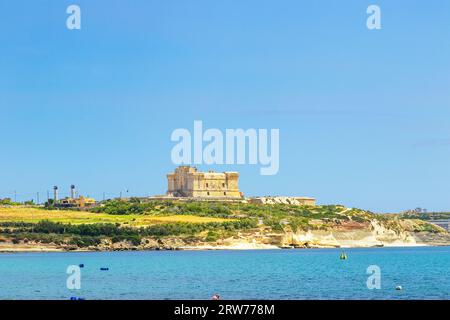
(275, 216)
(34, 215)
(136, 222)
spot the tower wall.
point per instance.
(188, 182)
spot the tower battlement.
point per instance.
(187, 181)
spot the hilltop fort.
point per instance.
(189, 182)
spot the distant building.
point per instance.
(442, 223)
(72, 201)
(187, 181)
(284, 200)
(80, 202)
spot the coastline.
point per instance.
(291, 227)
(236, 247)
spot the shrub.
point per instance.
(212, 236)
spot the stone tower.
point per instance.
(189, 182)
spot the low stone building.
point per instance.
(187, 181)
(80, 202)
(284, 200)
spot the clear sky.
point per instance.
(364, 116)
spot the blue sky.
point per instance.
(364, 116)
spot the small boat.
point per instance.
(104, 269)
(398, 288)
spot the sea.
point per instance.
(372, 273)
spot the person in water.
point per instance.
(216, 296)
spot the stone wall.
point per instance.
(283, 200)
(188, 182)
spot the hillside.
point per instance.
(138, 225)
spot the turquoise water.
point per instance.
(265, 274)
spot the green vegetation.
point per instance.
(91, 234)
(426, 215)
(271, 213)
(8, 202)
(118, 207)
(136, 206)
(279, 217)
(138, 221)
(212, 236)
(426, 227)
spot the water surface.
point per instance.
(260, 274)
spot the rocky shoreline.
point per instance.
(48, 249)
(355, 231)
(304, 240)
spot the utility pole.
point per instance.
(15, 196)
(103, 196)
(37, 198)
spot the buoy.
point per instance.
(343, 256)
(104, 269)
(398, 288)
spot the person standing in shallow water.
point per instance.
(216, 297)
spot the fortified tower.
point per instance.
(187, 181)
